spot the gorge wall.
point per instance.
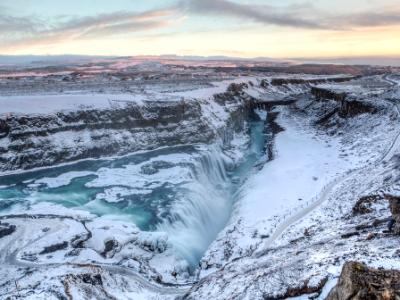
(347, 106)
(31, 141)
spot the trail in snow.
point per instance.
(330, 187)
(179, 290)
(10, 259)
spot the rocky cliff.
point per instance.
(347, 106)
(31, 141)
(394, 204)
(286, 81)
(325, 94)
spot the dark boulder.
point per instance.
(6, 229)
(110, 248)
(394, 204)
(358, 282)
(264, 83)
(92, 279)
(364, 204)
(54, 248)
(154, 167)
(237, 88)
(4, 129)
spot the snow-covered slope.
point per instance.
(295, 226)
(292, 224)
(40, 131)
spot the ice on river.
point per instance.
(185, 192)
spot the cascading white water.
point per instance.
(187, 192)
(203, 207)
(206, 204)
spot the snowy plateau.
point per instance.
(129, 179)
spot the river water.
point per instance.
(186, 191)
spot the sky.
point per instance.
(240, 28)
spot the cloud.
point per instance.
(259, 13)
(118, 22)
(300, 15)
(385, 17)
(16, 31)
(10, 25)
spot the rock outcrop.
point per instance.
(325, 94)
(348, 107)
(31, 141)
(4, 129)
(358, 282)
(363, 205)
(394, 204)
(305, 288)
(6, 229)
(351, 108)
(237, 88)
(273, 128)
(286, 81)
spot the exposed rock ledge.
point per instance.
(358, 282)
(286, 81)
(348, 107)
(31, 141)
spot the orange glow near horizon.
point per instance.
(281, 43)
(282, 29)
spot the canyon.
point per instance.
(150, 182)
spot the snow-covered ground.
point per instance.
(306, 243)
(369, 86)
(80, 100)
(305, 164)
(287, 219)
(46, 104)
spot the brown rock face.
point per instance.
(358, 282)
(4, 128)
(285, 81)
(237, 88)
(354, 108)
(324, 94)
(347, 107)
(32, 141)
(394, 204)
(363, 205)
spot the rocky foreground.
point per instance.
(357, 281)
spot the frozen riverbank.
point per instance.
(147, 218)
(154, 212)
(304, 163)
(249, 261)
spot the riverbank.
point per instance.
(277, 240)
(255, 258)
(303, 164)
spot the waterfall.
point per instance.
(187, 192)
(203, 207)
(205, 203)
